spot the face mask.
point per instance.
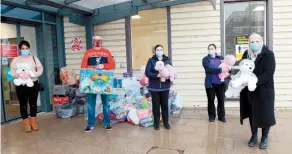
(97, 43)
(159, 53)
(255, 46)
(25, 52)
(211, 52)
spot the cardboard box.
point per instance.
(93, 81)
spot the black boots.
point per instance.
(253, 141)
(264, 142)
(167, 126)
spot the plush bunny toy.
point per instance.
(227, 63)
(244, 77)
(23, 70)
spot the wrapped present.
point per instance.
(60, 99)
(95, 81)
(60, 90)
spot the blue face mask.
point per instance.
(159, 53)
(255, 47)
(211, 52)
(25, 52)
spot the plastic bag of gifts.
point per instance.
(141, 117)
(175, 104)
(117, 111)
(67, 110)
(95, 81)
(67, 76)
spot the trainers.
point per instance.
(108, 128)
(88, 129)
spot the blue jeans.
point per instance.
(91, 109)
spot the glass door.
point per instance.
(11, 34)
(9, 43)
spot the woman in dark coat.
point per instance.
(258, 106)
(159, 90)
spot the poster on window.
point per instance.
(76, 44)
(9, 51)
(241, 46)
(240, 49)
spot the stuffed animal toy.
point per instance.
(245, 76)
(163, 71)
(23, 70)
(227, 63)
(172, 72)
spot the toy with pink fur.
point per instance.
(227, 63)
(172, 72)
(163, 72)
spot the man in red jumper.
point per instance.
(98, 58)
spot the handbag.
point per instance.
(39, 86)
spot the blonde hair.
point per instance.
(253, 36)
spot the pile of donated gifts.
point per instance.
(132, 104)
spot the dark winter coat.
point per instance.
(260, 103)
(151, 73)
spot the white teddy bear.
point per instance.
(23, 70)
(245, 76)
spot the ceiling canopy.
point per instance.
(98, 11)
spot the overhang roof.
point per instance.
(97, 10)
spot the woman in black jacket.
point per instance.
(258, 105)
(159, 90)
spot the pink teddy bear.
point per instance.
(227, 63)
(165, 72)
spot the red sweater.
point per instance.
(93, 57)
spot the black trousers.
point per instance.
(160, 99)
(27, 94)
(217, 90)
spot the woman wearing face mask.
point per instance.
(159, 90)
(213, 84)
(258, 105)
(24, 93)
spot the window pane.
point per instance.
(20, 13)
(52, 66)
(241, 20)
(148, 31)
